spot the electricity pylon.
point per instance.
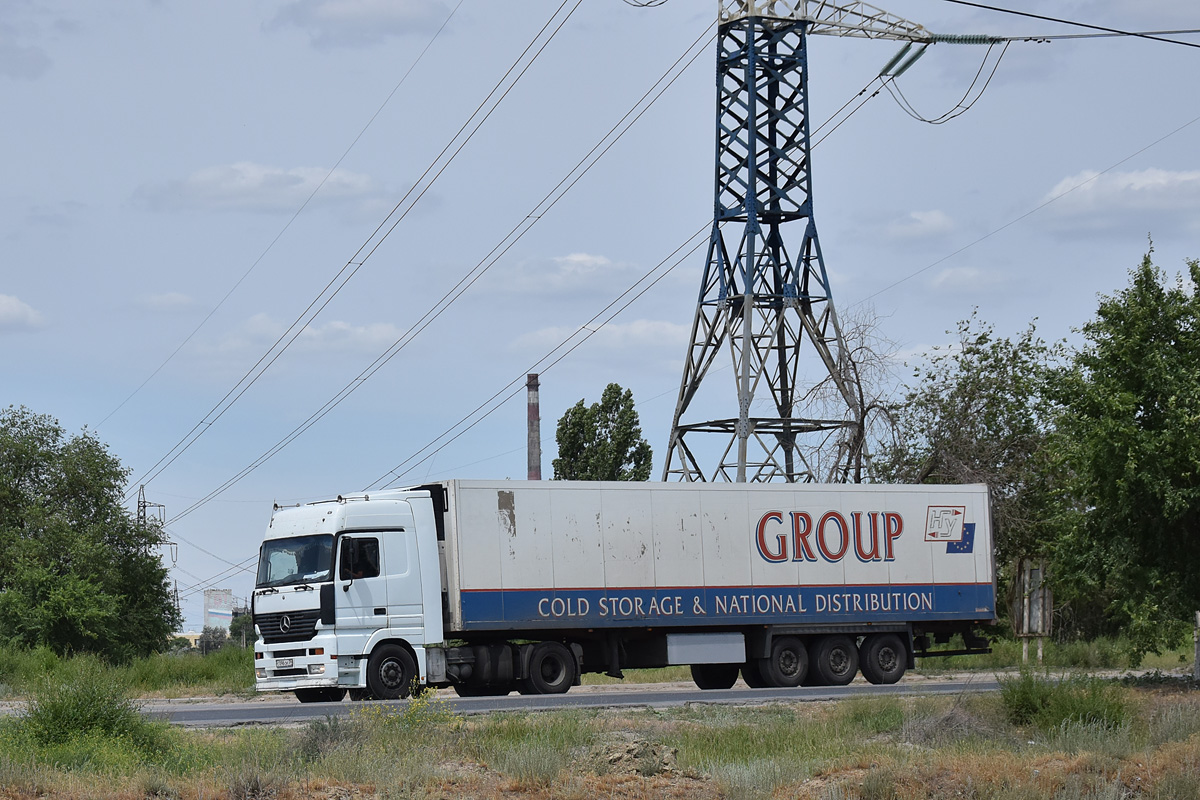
(769, 301)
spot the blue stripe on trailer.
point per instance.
(737, 605)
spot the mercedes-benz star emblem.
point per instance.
(285, 623)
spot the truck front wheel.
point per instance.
(715, 676)
(551, 669)
(390, 672)
(788, 664)
(835, 659)
(883, 658)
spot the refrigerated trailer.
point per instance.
(495, 586)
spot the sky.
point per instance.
(182, 180)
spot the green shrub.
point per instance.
(1046, 703)
(84, 702)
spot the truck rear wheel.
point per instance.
(551, 669)
(788, 664)
(752, 674)
(835, 659)
(390, 672)
(883, 658)
(320, 695)
(715, 676)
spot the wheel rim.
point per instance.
(839, 661)
(552, 670)
(391, 674)
(789, 663)
(888, 659)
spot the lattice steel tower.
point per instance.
(769, 300)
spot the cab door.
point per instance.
(360, 600)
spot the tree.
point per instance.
(77, 572)
(212, 639)
(241, 628)
(981, 413)
(602, 442)
(1129, 440)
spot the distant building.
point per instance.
(218, 608)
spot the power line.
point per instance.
(962, 106)
(370, 246)
(544, 364)
(1114, 31)
(288, 224)
(581, 168)
(1029, 213)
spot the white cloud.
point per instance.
(570, 273)
(957, 279)
(920, 225)
(1121, 201)
(640, 335)
(260, 331)
(348, 23)
(16, 315)
(20, 62)
(256, 187)
(167, 301)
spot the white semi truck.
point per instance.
(491, 586)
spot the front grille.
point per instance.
(301, 626)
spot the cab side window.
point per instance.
(359, 558)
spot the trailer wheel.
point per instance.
(390, 672)
(788, 664)
(835, 659)
(883, 658)
(320, 695)
(551, 669)
(715, 676)
(752, 674)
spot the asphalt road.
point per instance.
(285, 710)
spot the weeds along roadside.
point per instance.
(1041, 736)
(230, 671)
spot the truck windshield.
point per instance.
(299, 559)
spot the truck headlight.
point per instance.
(316, 669)
(260, 673)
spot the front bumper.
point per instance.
(311, 664)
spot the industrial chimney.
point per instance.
(535, 428)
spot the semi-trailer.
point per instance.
(495, 586)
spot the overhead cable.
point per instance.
(522, 227)
(369, 247)
(288, 224)
(1114, 31)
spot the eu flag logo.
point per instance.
(967, 545)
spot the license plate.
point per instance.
(283, 663)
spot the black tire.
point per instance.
(835, 660)
(753, 676)
(320, 695)
(552, 669)
(788, 665)
(883, 658)
(715, 676)
(390, 672)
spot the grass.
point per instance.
(1066, 742)
(1103, 653)
(229, 670)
